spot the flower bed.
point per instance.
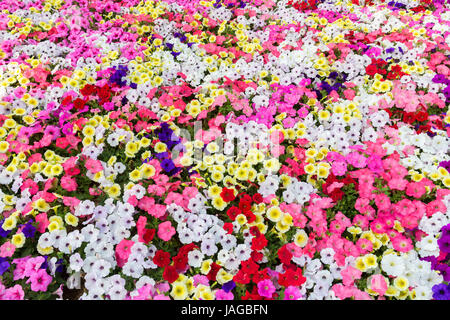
(248, 149)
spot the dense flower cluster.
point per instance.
(224, 149)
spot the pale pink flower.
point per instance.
(7, 249)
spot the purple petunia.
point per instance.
(441, 292)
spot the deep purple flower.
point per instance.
(445, 164)
(146, 160)
(29, 230)
(44, 265)
(228, 286)
(3, 233)
(4, 265)
(441, 292)
(431, 259)
(444, 271)
(165, 134)
(59, 265)
(162, 155)
(333, 75)
(445, 230)
(439, 78)
(167, 165)
(444, 244)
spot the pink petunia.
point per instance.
(7, 249)
(123, 251)
(339, 168)
(40, 280)
(349, 275)
(33, 265)
(223, 295)
(415, 189)
(292, 293)
(19, 271)
(13, 293)
(166, 231)
(43, 222)
(402, 244)
(68, 183)
(93, 165)
(266, 288)
(378, 284)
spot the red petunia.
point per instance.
(233, 212)
(161, 258)
(148, 235)
(66, 101)
(227, 195)
(257, 197)
(245, 205)
(170, 274)
(180, 261)
(186, 248)
(79, 103)
(295, 278)
(259, 243)
(254, 231)
(260, 276)
(409, 117)
(421, 116)
(249, 266)
(104, 93)
(88, 90)
(213, 272)
(292, 277)
(251, 296)
(228, 227)
(371, 70)
(250, 216)
(284, 255)
(256, 256)
(241, 277)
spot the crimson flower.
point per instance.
(213, 272)
(233, 212)
(421, 116)
(408, 117)
(284, 255)
(161, 258)
(249, 266)
(259, 242)
(184, 250)
(245, 205)
(180, 261)
(241, 277)
(227, 195)
(256, 256)
(148, 235)
(79, 103)
(371, 70)
(257, 197)
(260, 275)
(170, 274)
(88, 90)
(228, 227)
